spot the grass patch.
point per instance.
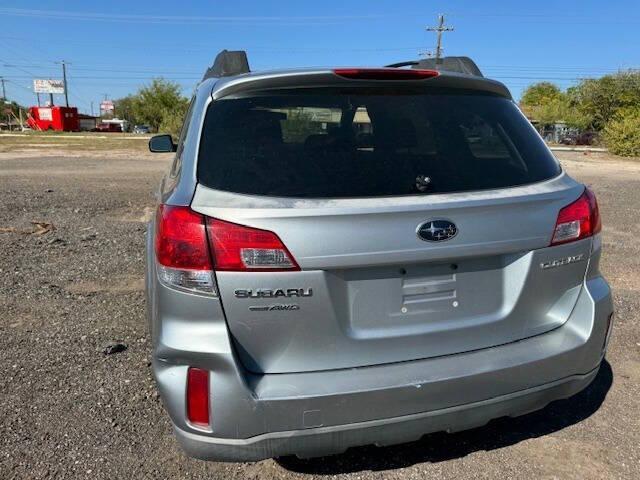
(84, 141)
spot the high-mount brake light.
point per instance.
(182, 253)
(385, 73)
(198, 397)
(578, 220)
(240, 248)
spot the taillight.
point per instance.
(385, 73)
(182, 252)
(240, 248)
(577, 220)
(198, 397)
(186, 241)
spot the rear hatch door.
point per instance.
(419, 222)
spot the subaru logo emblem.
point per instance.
(437, 230)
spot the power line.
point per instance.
(125, 77)
(519, 68)
(564, 18)
(560, 17)
(123, 18)
(19, 85)
(535, 67)
(79, 99)
(8, 65)
(204, 47)
(499, 68)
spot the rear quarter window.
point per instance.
(332, 143)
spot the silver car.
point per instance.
(344, 257)
(141, 129)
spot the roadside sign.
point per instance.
(106, 106)
(45, 114)
(48, 86)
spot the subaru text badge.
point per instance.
(437, 230)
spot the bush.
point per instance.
(622, 133)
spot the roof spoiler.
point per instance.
(227, 64)
(448, 64)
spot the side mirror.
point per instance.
(162, 144)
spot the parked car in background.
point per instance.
(141, 129)
(582, 138)
(107, 128)
(357, 256)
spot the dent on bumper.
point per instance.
(336, 439)
(310, 414)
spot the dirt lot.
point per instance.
(69, 411)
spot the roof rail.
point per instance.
(227, 64)
(448, 64)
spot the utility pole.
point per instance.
(92, 109)
(4, 99)
(439, 29)
(64, 81)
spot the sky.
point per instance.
(115, 47)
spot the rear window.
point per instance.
(329, 143)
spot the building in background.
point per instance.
(124, 124)
(62, 119)
(87, 122)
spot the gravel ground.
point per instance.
(68, 410)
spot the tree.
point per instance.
(600, 99)
(173, 119)
(12, 108)
(545, 103)
(156, 104)
(540, 93)
(126, 108)
(610, 104)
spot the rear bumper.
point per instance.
(312, 414)
(320, 441)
